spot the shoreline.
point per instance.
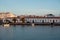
(40, 24)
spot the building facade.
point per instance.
(43, 19)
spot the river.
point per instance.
(21, 32)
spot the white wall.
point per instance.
(40, 19)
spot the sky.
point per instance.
(30, 7)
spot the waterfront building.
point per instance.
(49, 18)
(44, 19)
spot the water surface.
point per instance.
(30, 33)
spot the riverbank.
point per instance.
(43, 24)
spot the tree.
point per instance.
(14, 20)
(23, 20)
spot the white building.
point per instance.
(43, 19)
(46, 19)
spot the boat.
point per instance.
(6, 25)
(33, 24)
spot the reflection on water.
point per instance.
(23, 32)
